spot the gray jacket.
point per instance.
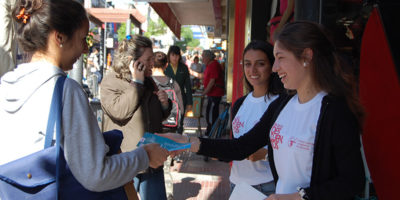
(25, 96)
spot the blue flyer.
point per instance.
(165, 143)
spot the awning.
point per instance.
(211, 13)
(117, 15)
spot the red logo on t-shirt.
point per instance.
(292, 140)
(236, 124)
(276, 138)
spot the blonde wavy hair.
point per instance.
(129, 50)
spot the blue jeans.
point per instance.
(266, 188)
(151, 185)
(213, 108)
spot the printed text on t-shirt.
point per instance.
(276, 138)
(236, 124)
(300, 144)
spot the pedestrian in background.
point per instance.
(180, 73)
(160, 64)
(196, 73)
(214, 87)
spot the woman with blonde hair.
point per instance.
(132, 103)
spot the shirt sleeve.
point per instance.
(85, 150)
(237, 148)
(188, 86)
(120, 101)
(256, 138)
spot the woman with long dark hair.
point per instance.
(264, 87)
(313, 135)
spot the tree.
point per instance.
(122, 31)
(187, 39)
(155, 29)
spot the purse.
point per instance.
(45, 174)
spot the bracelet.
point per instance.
(137, 81)
(302, 193)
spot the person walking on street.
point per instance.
(213, 87)
(180, 73)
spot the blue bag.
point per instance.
(45, 174)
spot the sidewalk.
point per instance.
(193, 178)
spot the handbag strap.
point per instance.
(55, 119)
(54, 113)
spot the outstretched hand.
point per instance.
(175, 137)
(195, 142)
(157, 155)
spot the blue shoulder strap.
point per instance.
(55, 119)
(55, 112)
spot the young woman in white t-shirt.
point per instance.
(263, 86)
(314, 135)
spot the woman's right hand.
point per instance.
(195, 141)
(175, 137)
(137, 70)
(157, 155)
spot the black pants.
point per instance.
(179, 129)
(213, 107)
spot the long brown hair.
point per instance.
(327, 69)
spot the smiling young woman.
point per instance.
(264, 88)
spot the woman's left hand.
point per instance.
(163, 97)
(294, 196)
(258, 155)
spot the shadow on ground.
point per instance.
(192, 188)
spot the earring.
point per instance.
(304, 64)
(61, 45)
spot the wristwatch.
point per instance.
(302, 193)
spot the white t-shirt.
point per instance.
(292, 139)
(249, 113)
